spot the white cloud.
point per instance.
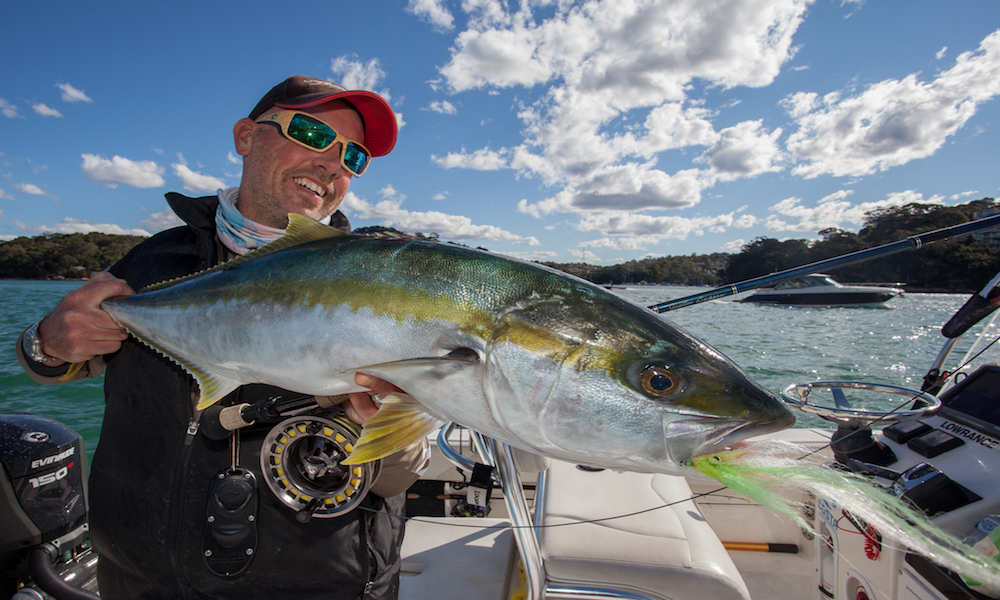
(734, 246)
(585, 255)
(891, 122)
(5, 196)
(45, 111)
(483, 159)
(69, 225)
(744, 150)
(234, 159)
(389, 213)
(30, 188)
(433, 12)
(621, 243)
(442, 106)
(611, 83)
(354, 74)
(613, 98)
(834, 211)
(194, 181)
(940, 53)
(121, 171)
(9, 110)
(160, 221)
(539, 256)
(659, 227)
(71, 94)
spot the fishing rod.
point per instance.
(911, 243)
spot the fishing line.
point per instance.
(511, 526)
(905, 402)
(831, 484)
(693, 497)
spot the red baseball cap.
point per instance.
(300, 91)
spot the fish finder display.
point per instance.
(976, 400)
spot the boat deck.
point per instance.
(673, 549)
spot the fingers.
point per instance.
(78, 329)
(361, 405)
(376, 385)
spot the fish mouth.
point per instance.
(741, 432)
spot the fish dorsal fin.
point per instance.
(301, 229)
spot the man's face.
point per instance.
(281, 177)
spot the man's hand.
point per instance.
(79, 329)
(361, 406)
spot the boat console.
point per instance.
(945, 463)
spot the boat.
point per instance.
(494, 522)
(819, 289)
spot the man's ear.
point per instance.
(242, 136)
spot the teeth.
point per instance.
(310, 186)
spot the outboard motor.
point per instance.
(43, 511)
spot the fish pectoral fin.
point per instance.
(425, 368)
(73, 370)
(399, 422)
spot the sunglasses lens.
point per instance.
(355, 158)
(311, 132)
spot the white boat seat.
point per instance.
(670, 553)
(445, 557)
(529, 463)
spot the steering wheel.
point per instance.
(797, 395)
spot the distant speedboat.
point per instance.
(821, 290)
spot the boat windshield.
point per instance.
(807, 281)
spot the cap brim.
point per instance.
(380, 121)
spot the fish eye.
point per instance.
(658, 381)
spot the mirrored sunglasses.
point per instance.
(306, 130)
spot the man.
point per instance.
(152, 471)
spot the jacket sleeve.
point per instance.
(402, 469)
(55, 375)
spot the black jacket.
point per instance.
(150, 477)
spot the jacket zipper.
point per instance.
(176, 505)
(371, 565)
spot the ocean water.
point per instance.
(777, 346)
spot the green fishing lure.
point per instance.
(765, 472)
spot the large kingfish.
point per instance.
(525, 354)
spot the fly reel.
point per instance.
(300, 459)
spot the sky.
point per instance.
(591, 131)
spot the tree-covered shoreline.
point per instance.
(953, 266)
(961, 265)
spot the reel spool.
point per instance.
(300, 459)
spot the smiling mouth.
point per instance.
(309, 185)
